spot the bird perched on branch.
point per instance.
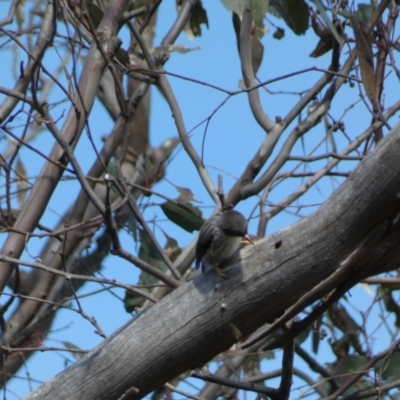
(219, 240)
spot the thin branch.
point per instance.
(359, 374)
(46, 31)
(73, 126)
(354, 145)
(10, 16)
(71, 158)
(296, 371)
(346, 272)
(251, 387)
(315, 366)
(242, 189)
(182, 392)
(372, 392)
(11, 350)
(138, 215)
(119, 251)
(183, 17)
(377, 280)
(176, 112)
(69, 275)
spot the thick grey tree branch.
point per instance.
(191, 325)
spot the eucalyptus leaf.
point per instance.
(236, 6)
(258, 10)
(70, 346)
(366, 60)
(279, 34)
(173, 48)
(198, 17)
(133, 226)
(149, 253)
(294, 13)
(302, 337)
(389, 368)
(187, 216)
(257, 53)
(95, 13)
(364, 12)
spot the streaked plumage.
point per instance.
(219, 239)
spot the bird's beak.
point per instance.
(247, 240)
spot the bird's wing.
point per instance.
(204, 242)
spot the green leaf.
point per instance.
(172, 249)
(352, 363)
(20, 15)
(342, 370)
(366, 61)
(257, 48)
(391, 304)
(112, 170)
(173, 48)
(389, 368)
(252, 365)
(323, 46)
(68, 345)
(316, 335)
(123, 57)
(186, 216)
(133, 302)
(198, 17)
(95, 14)
(148, 253)
(364, 12)
(294, 13)
(328, 22)
(133, 227)
(302, 337)
(257, 53)
(236, 6)
(258, 10)
(279, 33)
(272, 11)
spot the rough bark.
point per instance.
(357, 227)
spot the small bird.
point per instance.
(219, 239)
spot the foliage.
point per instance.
(71, 75)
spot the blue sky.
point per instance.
(232, 139)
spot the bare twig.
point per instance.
(69, 275)
(136, 212)
(11, 350)
(252, 387)
(359, 374)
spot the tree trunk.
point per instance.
(357, 228)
